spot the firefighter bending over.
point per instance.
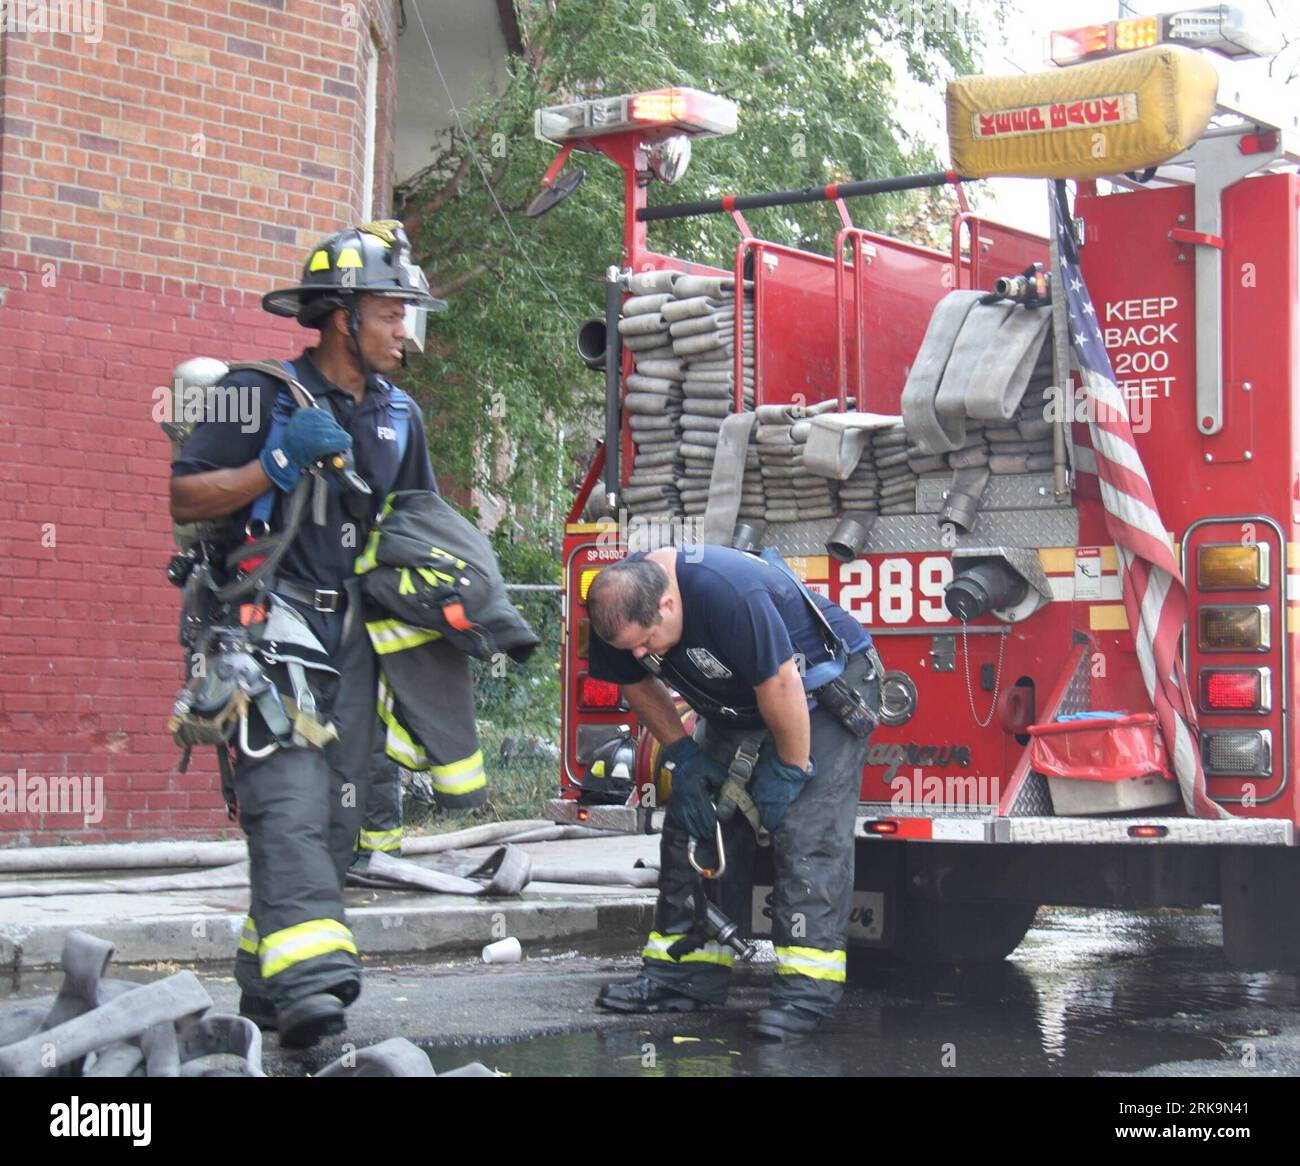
(763, 662)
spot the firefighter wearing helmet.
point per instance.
(301, 804)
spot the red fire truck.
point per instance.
(968, 822)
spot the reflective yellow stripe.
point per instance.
(391, 635)
(657, 946)
(435, 578)
(1107, 617)
(460, 563)
(811, 962)
(398, 743)
(460, 777)
(406, 586)
(388, 841)
(248, 940)
(368, 560)
(303, 941)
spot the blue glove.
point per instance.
(310, 435)
(695, 778)
(776, 785)
(686, 757)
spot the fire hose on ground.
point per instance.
(506, 871)
(99, 1027)
(164, 855)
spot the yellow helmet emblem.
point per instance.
(320, 261)
(350, 257)
(384, 229)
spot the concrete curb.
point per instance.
(448, 927)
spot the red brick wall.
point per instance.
(152, 186)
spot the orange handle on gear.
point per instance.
(454, 614)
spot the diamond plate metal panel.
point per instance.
(1003, 492)
(1078, 697)
(1182, 831)
(1034, 799)
(1021, 560)
(894, 533)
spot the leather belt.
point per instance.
(324, 599)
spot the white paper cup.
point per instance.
(504, 951)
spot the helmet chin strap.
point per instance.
(354, 330)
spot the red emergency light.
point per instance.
(1148, 831)
(598, 694)
(1234, 690)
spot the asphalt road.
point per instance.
(1087, 993)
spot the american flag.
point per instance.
(1155, 596)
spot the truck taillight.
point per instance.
(1233, 628)
(1237, 752)
(1235, 690)
(598, 694)
(585, 580)
(1232, 567)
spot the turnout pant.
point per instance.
(381, 827)
(301, 809)
(812, 851)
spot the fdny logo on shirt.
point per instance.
(387, 433)
(708, 664)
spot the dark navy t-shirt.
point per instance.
(742, 619)
(321, 556)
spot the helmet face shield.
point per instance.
(416, 320)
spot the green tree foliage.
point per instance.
(511, 409)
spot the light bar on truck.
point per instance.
(1240, 690)
(1237, 752)
(1233, 628)
(688, 111)
(1224, 29)
(1219, 27)
(1232, 566)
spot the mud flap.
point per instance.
(1259, 888)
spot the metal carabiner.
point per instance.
(706, 872)
(253, 754)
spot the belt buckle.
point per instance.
(325, 600)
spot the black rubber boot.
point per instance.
(646, 995)
(259, 1010)
(309, 1020)
(784, 1022)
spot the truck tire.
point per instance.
(930, 933)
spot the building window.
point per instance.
(372, 114)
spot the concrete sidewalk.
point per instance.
(197, 925)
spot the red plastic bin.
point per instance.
(1114, 749)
